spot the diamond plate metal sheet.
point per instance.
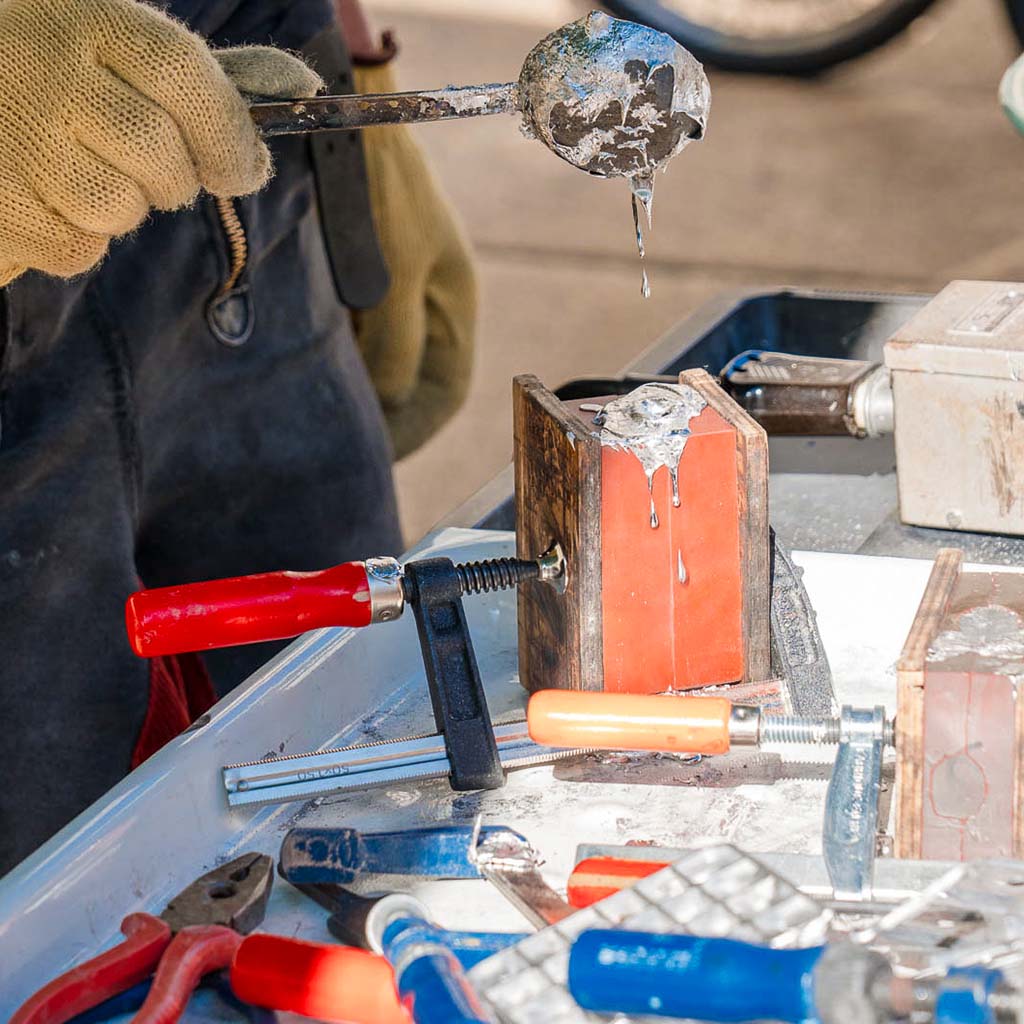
(718, 892)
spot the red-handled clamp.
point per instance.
(268, 606)
(280, 605)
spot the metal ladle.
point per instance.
(611, 97)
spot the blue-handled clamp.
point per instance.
(726, 981)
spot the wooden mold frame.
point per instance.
(558, 461)
(910, 671)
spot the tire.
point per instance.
(1015, 9)
(793, 53)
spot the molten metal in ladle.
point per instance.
(611, 97)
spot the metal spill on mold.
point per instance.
(653, 424)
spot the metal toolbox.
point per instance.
(958, 384)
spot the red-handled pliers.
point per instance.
(200, 931)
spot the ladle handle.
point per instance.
(337, 113)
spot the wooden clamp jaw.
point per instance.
(667, 585)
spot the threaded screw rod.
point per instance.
(496, 574)
(798, 729)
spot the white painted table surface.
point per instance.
(169, 821)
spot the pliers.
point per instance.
(199, 932)
(131, 1001)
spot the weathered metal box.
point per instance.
(958, 385)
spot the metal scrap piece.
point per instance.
(512, 866)
(798, 655)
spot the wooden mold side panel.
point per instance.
(910, 702)
(755, 550)
(971, 785)
(558, 498)
(1018, 780)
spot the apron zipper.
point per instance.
(238, 245)
(230, 312)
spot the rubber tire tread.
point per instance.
(800, 55)
(1015, 12)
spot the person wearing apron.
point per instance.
(193, 406)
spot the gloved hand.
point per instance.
(108, 109)
(418, 343)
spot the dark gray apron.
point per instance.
(149, 429)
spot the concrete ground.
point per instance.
(897, 172)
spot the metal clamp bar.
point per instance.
(303, 776)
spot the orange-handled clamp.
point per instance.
(626, 721)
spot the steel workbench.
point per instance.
(832, 499)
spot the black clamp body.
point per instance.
(434, 589)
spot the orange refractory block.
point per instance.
(960, 723)
(678, 585)
(659, 502)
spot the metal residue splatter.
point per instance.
(991, 637)
(612, 97)
(653, 423)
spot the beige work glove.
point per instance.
(418, 343)
(109, 109)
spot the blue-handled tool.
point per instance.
(352, 913)
(430, 980)
(727, 981)
(338, 856)
(976, 995)
(687, 976)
